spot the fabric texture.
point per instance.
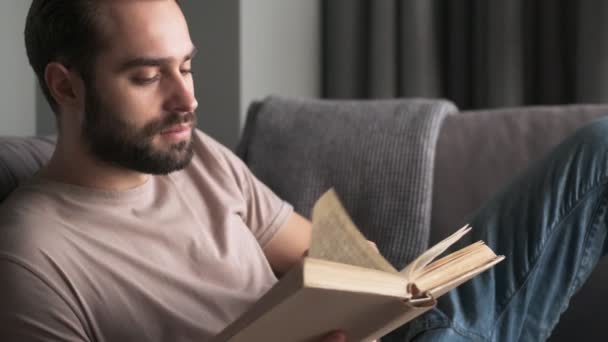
(301, 148)
(479, 152)
(20, 158)
(174, 259)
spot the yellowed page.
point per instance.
(441, 290)
(335, 237)
(453, 266)
(411, 270)
(446, 260)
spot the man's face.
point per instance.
(140, 104)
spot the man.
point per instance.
(109, 241)
(142, 228)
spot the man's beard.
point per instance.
(116, 141)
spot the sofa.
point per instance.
(476, 153)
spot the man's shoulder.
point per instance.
(30, 195)
(27, 221)
(29, 246)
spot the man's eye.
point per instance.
(187, 72)
(145, 80)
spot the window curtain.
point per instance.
(477, 53)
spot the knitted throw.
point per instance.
(377, 154)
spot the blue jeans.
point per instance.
(550, 223)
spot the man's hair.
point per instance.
(64, 31)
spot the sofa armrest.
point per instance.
(20, 158)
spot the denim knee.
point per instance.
(593, 135)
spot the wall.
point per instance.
(214, 29)
(248, 50)
(280, 49)
(17, 84)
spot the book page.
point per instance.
(440, 290)
(453, 266)
(410, 271)
(336, 238)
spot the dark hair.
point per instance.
(64, 31)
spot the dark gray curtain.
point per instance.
(477, 53)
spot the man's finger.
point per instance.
(336, 336)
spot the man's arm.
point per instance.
(31, 311)
(289, 245)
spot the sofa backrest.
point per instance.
(20, 158)
(479, 152)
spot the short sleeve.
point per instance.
(31, 311)
(265, 213)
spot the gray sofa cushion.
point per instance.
(20, 158)
(478, 152)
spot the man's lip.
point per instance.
(176, 129)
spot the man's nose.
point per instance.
(182, 99)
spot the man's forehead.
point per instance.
(139, 27)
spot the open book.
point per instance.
(344, 283)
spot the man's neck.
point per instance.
(75, 166)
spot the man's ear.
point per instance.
(64, 85)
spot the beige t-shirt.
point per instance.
(175, 259)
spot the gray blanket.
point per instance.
(377, 154)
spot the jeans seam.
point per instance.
(585, 257)
(437, 323)
(590, 232)
(460, 331)
(601, 182)
(466, 333)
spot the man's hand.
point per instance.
(336, 336)
(373, 244)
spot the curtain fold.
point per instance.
(477, 53)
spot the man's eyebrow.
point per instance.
(153, 61)
(192, 53)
